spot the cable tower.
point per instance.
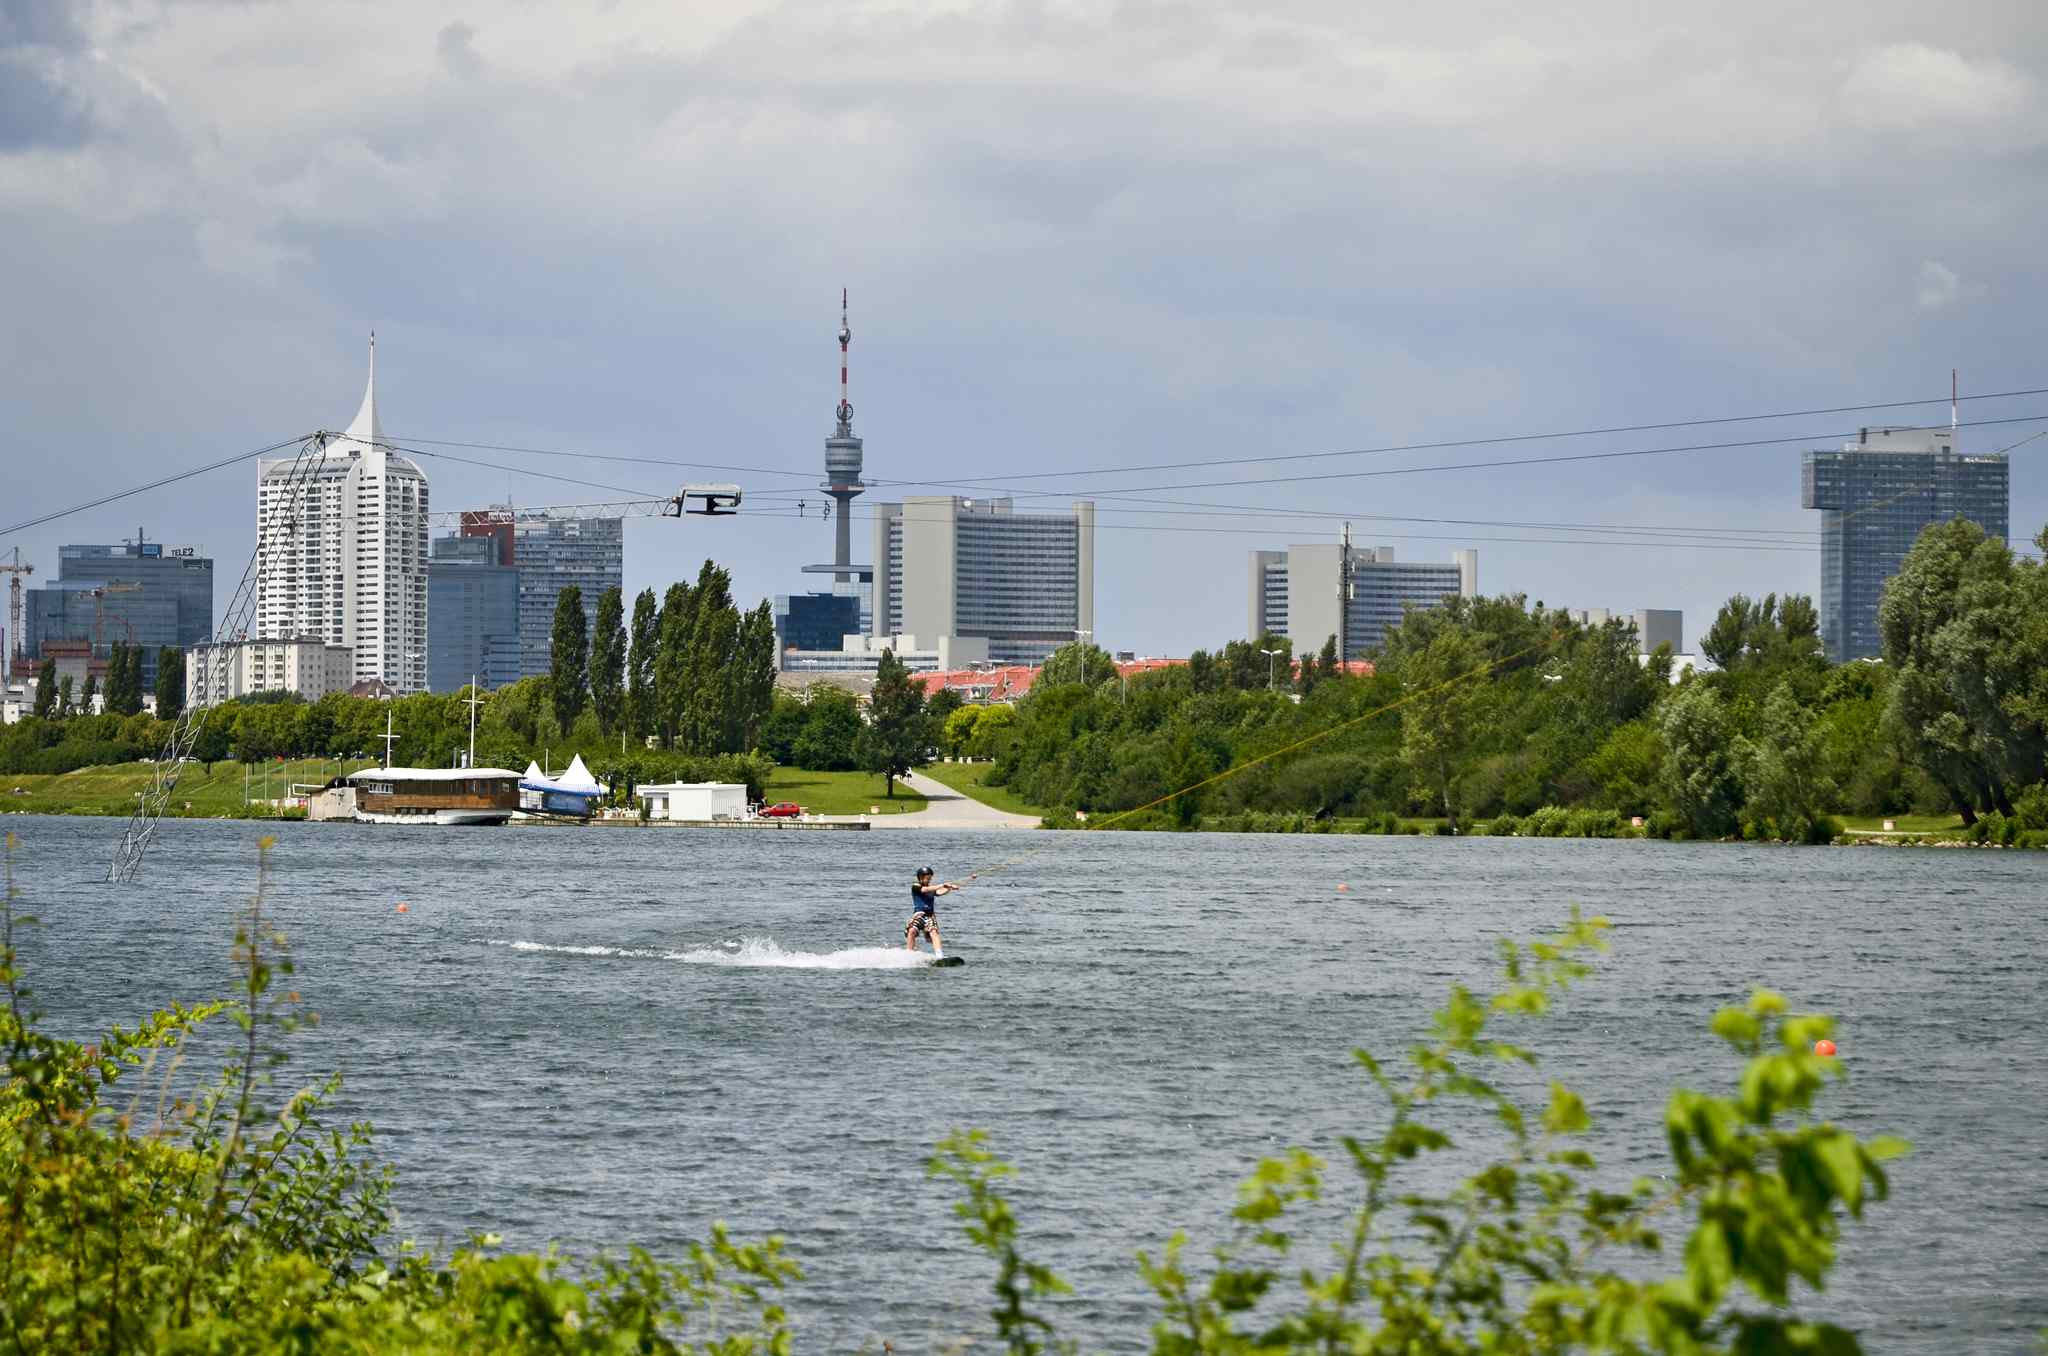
(272, 534)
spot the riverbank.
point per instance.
(231, 790)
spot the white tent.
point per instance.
(578, 777)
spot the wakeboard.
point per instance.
(947, 961)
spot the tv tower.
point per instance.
(842, 461)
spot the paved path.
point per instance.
(949, 809)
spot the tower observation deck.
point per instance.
(843, 462)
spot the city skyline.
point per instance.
(1577, 234)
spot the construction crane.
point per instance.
(15, 571)
(99, 612)
(708, 501)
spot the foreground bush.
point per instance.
(1529, 1254)
(137, 1214)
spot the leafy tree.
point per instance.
(641, 717)
(569, 657)
(896, 739)
(1076, 662)
(92, 689)
(46, 690)
(672, 660)
(832, 729)
(783, 727)
(1783, 768)
(170, 682)
(992, 731)
(958, 731)
(1955, 624)
(1699, 774)
(1328, 662)
(608, 661)
(64, 707)
(1444, 700)
(706, 716)
(754, 670)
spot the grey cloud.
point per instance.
(37, 110)
(456, 46)
(40, 23)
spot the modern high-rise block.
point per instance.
(140, 593)
(1654, 625)
(1876, 496)
(947, 566)
(472, 615)
(815, 621)
(1296, 593)
(342, 558)
(551, 554)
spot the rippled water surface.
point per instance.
(621, 1035)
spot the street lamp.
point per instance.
(1271, 657)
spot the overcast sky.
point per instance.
(1078, 237)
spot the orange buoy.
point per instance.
(1342, 887)
(1825, 1049)
(403, 907)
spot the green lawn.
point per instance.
(111, 789)
(839, 793)
(969, 779)
(1906, 823)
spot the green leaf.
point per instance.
(1842, 1159)
(1567, 1113)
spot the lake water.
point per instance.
(604, 1036)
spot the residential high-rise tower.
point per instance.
(345, 561)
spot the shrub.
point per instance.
(1549, 821)
(169, 1218)
(1503, 826)
(2030, 807)
(1525, 1253)
(1593, 824)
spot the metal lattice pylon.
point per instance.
(271, 529)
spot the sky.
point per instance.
(1081, 240)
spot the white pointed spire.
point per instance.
(364, 427)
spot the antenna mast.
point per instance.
(1952, 416)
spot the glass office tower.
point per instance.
(1876, 496)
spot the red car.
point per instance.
(787, 809)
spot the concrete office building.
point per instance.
(138, 592)
(1654, 626)
(308, 666)
(551, 554)
(953, 567)
(342, 558)
(1294, 593)
(472, 615)
(1876, 495)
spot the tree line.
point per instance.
(693, 671)
(1494, 709)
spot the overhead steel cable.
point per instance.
(1484, 465)
(105, 499)
(1280, 457)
